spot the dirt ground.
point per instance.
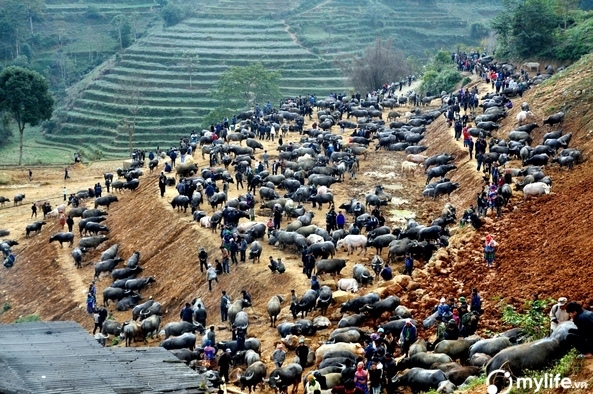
(544, 242)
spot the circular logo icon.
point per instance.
(499, 376)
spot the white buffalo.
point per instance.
(535, 189)
(323, 190)
(205, 222)
(523, 115)
(314, 239)
(348, 284)
(418, 159)
(352, 242)
(409, 168)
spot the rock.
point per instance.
(402, 280)
(453, 231)
(290, 341)
(413, 286)
(393, 289)
(332, 284)
(321, 322)
(419, 274)
(342, 296)
(419, 293)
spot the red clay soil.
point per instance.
(544, 243)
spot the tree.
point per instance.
(242, 87)
(441, 74)
(121, 30)
(190, 62)
(130, 95)
(378, 65)
(16, 18)
(25, 95)
(526, 28)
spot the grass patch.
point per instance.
(28, 319)
(6, 307)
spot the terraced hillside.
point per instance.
(159, 86)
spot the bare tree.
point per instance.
(379, 64)
(190, 62)
(130, 95)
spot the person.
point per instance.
(386, 272)
(203, 258)
(407, 337)
(558, 313)
(65, 193)
(234, 247)
(441, 328)
(357, 210)
(302, 351)
(340, 220)
(162, 183)
(476, 302)
(210, 276)
(489, 250)
(443, 308)
(225, 303)
(34, 211)
(581, 338)
(315, 284)
(200, 315)
(30, 175)
(376, 378)
(90, 303)
(101, 316)
(62, 220)
(224, 365)
(242, 248)
(273, 265)
(107, 184)
(408, 265)
(187, 313)
(246, 299)
(66, 176)
(361, 378)
(93, 290)
(266, 159)
(209, 352)
(70, 223)
(279, 356)
(470, 148)
(309, 264)
(270, 226)
(452, 331)
(312, 385)
(211, 335)
(225, 260)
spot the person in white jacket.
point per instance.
(558, 313)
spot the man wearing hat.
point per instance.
(558, 313)
(312, 385)
(279, 356)
(407, 337)
(302, 351)
(224, 365)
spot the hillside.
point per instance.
(159, 86)
(543, 242)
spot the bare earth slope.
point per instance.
(544, 243)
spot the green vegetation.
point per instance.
(441, 75)
(534, 320)
(180, 64)
(25, 95)
(543, 28)
(6, 307)
(28, 319)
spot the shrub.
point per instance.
(6, 307)
(534, 320)
(172, 14)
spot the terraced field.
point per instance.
(150, 81)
